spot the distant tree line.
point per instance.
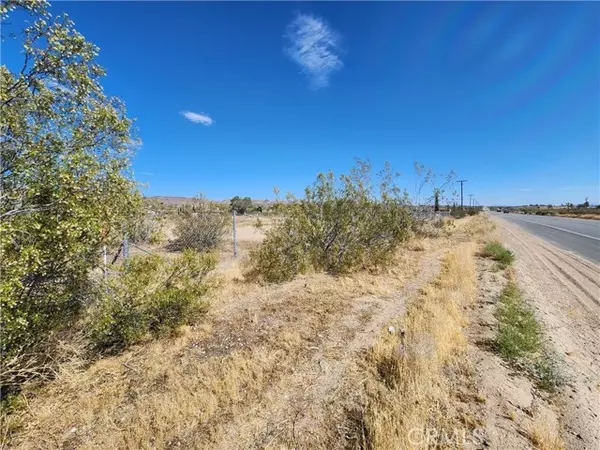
(244, 205)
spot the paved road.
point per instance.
(579, 236)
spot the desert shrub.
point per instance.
(340, 225)
(157, 237)
(519, 333)
(459, 213)
(200, 231)
(547, 370)
(142, 228)
(519, 340)
(150, 296)
(434, 227)
(65, 155)
(241, 205)
(497, 252)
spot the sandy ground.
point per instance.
(565, 291)
(510, 406)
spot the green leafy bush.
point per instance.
(340, 225)
(150, 296)
(67, 189)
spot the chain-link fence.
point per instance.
(170, 235)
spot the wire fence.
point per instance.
(200, 231)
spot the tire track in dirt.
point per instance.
(565, 273)
(566, 294)
(581, 271)
(298, 404)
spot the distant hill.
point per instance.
(168, 200)
(172, 200)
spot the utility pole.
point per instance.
(470, 200)
(461, 192)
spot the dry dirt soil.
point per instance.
(565, 293)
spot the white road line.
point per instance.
(561, 229)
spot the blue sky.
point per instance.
(235, 98)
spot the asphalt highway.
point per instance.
(579, 236)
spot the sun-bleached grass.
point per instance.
(407, 383)
(477, 228)
(191, 390)
(185, 389)
(543, 433)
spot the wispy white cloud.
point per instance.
(315, 46)
(202, 118)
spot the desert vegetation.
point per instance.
(67, 196)
(150, 296)
(497, 252)
(340, 225)
(201, 226)
(66, 186)
(520, 339)
(341, 322)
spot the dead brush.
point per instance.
(543, 433)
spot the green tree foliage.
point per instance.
(65, 151)
(151, 296)
(436, 195)
(241, 205)
(342, 224)
(585, 204)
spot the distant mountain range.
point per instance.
(169, 200)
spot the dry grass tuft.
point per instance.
(544, 434)
(477, 227)
(408, 384)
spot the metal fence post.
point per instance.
(234, 237)
(105, 257)
(125, 247)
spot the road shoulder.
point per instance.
(564, 290)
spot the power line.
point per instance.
(461, 192)
(470, 200)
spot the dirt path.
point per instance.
(296, 410)
(565, 290)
